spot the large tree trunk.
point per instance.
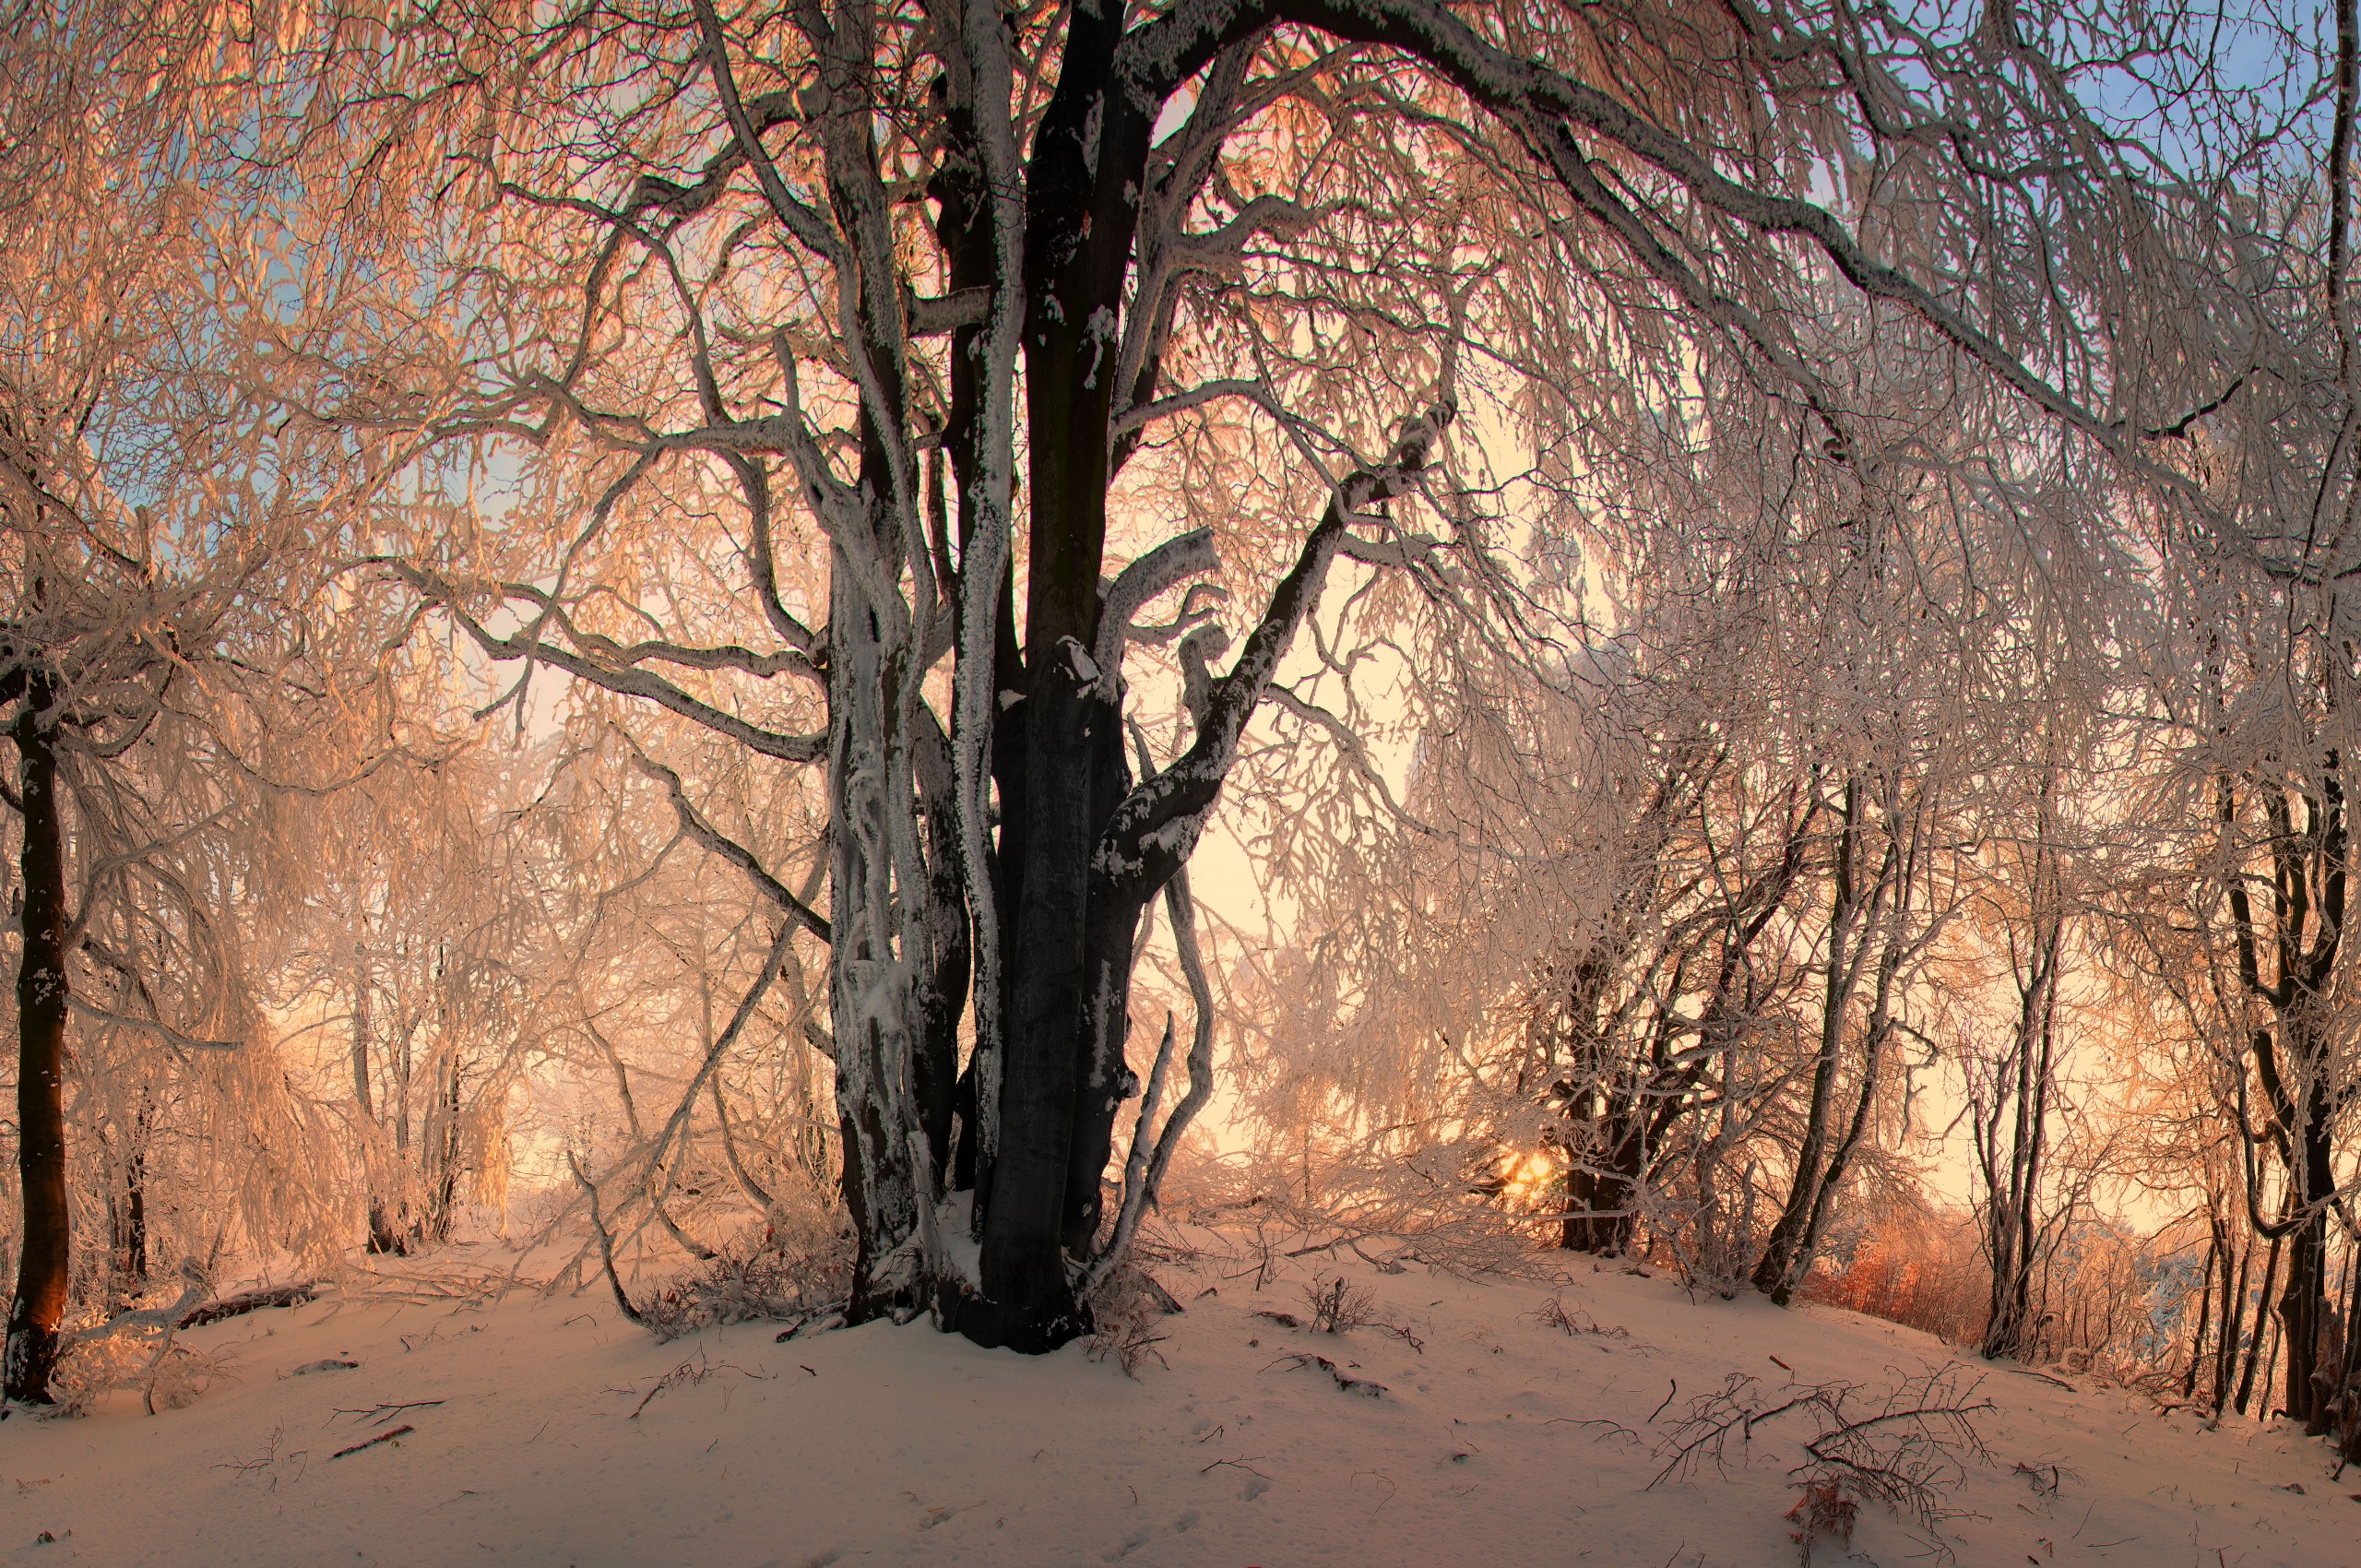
(1077, 244)
(42, 1264)
(1026, 1298)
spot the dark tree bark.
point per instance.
(43, 1267)
(2204, 1318)
(1623, 1097)
(1600, 1188)
(127, 1209)
(2310, 876)
(2233, 1306)
(2262, 1326)
(2020, 1090)
(1859, 892)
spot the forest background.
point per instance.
(623, 621)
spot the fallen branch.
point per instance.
(381, 1437)
(691, 1374)
(1907, 1453)
(378, 1415)
(248, 1301)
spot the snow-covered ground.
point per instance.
(560, 1434)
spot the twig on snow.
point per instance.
(381, 1437)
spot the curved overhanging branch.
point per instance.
(1521, 91)
(1355, 752)
(618, 655)
(1548, 109)
(626, 682)
(1140, 415)
(161, 1031)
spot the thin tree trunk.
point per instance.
(400, 1066)
(1775, 1272)
(2270, 1368)
(2349, 1371)
(42, 1264)
(127, 1211)
(2204, 1318)
(1893, 892)
(2233, 1305)
(2262, 1323)
(2011, 1225)
(382, 1237)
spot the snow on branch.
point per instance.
(1253, 390)
(163, 1031)
(1152, 833)
(1907, 1448)
(1170, 563)
(630, 681)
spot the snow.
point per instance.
(900, 1444)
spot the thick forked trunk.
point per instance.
(1074, 258)
(42, 1264)
(1094, 854)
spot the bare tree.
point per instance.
(818, 253)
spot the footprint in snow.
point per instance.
(1139, 1537)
